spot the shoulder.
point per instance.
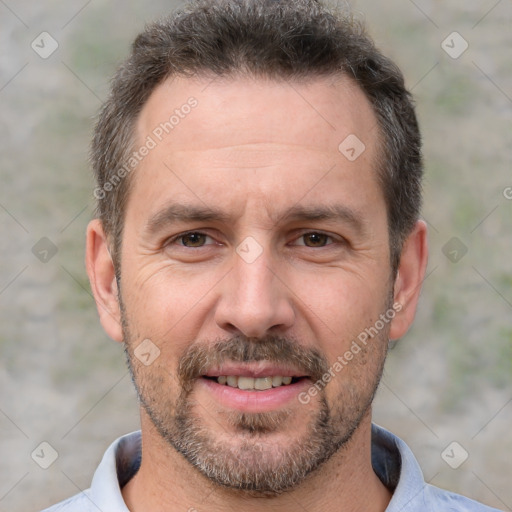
(441, 500)
(397, 468)
(78, 503)
(119, 463)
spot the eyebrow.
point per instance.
(177, 212)
(183, 213)
(335, 212)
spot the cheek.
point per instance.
(341, 304)
(165, 305)
(346, 313)
(356, 368)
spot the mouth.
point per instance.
(256, 387)
(254, 383)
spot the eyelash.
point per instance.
(188, 233)
(181, 236)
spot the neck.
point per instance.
(166, 482)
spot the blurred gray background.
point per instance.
(63, 382)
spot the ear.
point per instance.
(101, 272)
(410, 275)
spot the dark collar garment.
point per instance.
(392, 460)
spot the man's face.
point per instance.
(254, 249)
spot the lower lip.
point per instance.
(254, 401)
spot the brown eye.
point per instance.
(316, 239)
(193, 239)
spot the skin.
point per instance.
(255, 149)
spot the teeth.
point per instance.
(277, 381)
(232, 381)
(263, 383)
(248, 383)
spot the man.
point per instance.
(257, 245)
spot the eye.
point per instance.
(314, 239)
(192, 239)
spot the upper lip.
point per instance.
(255, 369)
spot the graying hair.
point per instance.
(282, 40)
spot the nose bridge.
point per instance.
(255, 280)
(254, 300)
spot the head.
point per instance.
(236, 236)
(290, 41)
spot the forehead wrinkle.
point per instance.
(176, 212)
(315, 213)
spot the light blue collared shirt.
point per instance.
(392, 460)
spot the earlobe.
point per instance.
(101, 272)
(410, 275)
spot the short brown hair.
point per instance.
(287, 39)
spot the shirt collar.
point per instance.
(120, 462)
(392, 461)
(397, 468)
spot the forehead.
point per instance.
(319, 111)
(226, 138)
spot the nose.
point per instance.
(255, 300)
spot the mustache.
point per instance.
(200, 357)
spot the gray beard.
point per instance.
(249, 466)
(249, 462)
